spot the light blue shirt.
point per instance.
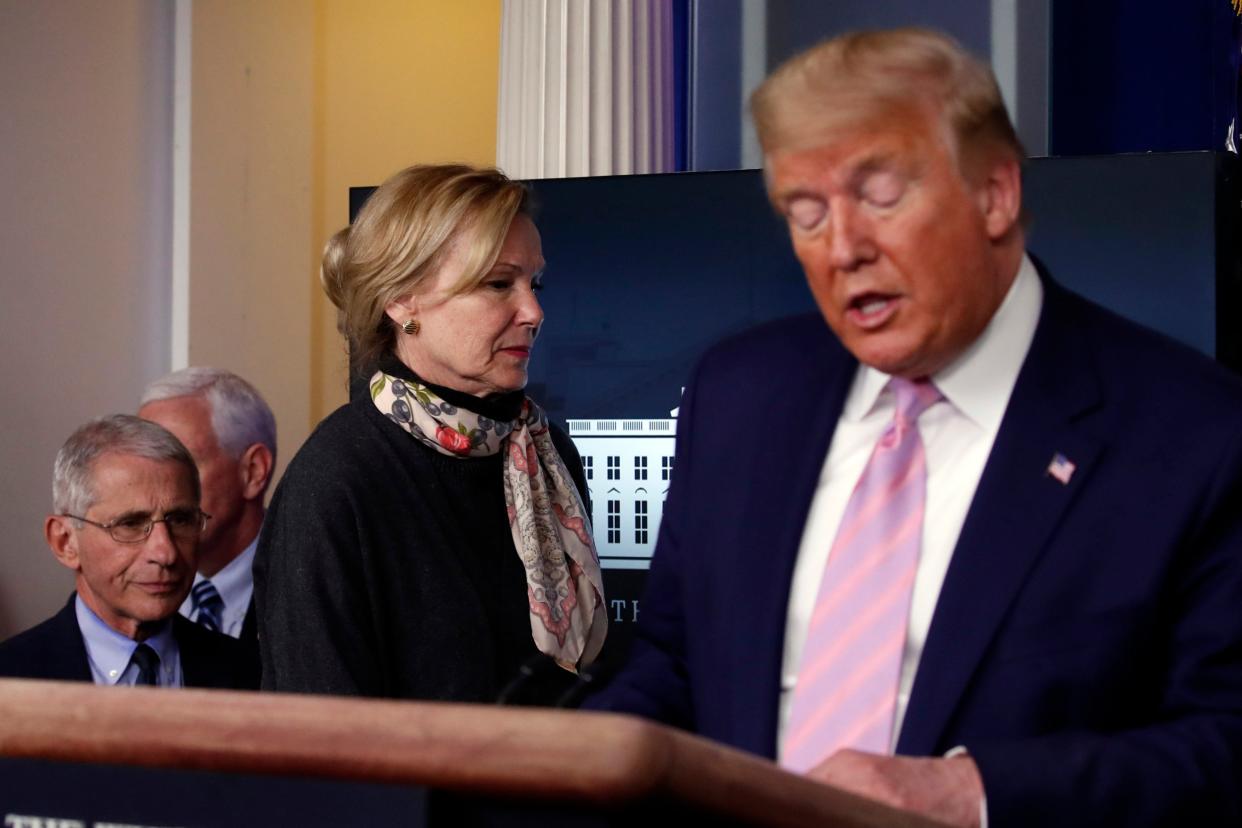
(235, 584)
(109, 652)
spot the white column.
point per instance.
(586, 88)
(1005, 51)
(183, 38)
(754, 70)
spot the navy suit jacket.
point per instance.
(1086, 646)
(55, 650)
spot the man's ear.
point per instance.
(1000, 197)
(62, 538)
(255, 468)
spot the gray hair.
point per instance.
(239, 415)
(73, 489)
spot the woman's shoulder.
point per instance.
(564, 443)
(345, 468)
(573, 460)
(348, 441)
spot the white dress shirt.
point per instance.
(235, 583)
(109, 652)
(957, 435)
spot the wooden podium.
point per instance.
(499, 765)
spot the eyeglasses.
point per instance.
(183, 524)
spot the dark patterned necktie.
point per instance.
(208, 605)
(148, 663)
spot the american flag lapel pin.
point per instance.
(1061, 468)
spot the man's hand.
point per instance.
(949, 790)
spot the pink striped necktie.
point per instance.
(846, 691)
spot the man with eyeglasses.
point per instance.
(127, 521)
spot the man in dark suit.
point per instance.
(231, 433)
(974, 548)
(127, 522)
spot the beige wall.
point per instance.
(85, 155)
(400, 82)
(252, 105)
(292, 102)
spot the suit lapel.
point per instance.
(68, 659)
(1017, 506)
(195, 671)
(787, 480)
(211, 659)
(250, 623)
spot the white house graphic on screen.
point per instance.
(628, 465)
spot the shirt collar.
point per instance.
(233, 582)
(972, 382)
(109, 652)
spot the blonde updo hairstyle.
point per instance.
(862, 77)
(402, 236)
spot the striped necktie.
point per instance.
(846, 690)
(208, 605)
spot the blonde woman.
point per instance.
(431, 537)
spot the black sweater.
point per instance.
(388, 569)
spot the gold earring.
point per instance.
(411, 327)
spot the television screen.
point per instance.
(645, 272)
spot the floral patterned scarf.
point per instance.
(551, 529)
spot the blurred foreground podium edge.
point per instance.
(589, 763)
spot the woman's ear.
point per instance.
(401, 310)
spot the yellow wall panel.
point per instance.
(398, 82)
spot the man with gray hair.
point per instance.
(231, 434)
(126, 520)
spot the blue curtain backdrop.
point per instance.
(681, 84)
(1142, 75)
